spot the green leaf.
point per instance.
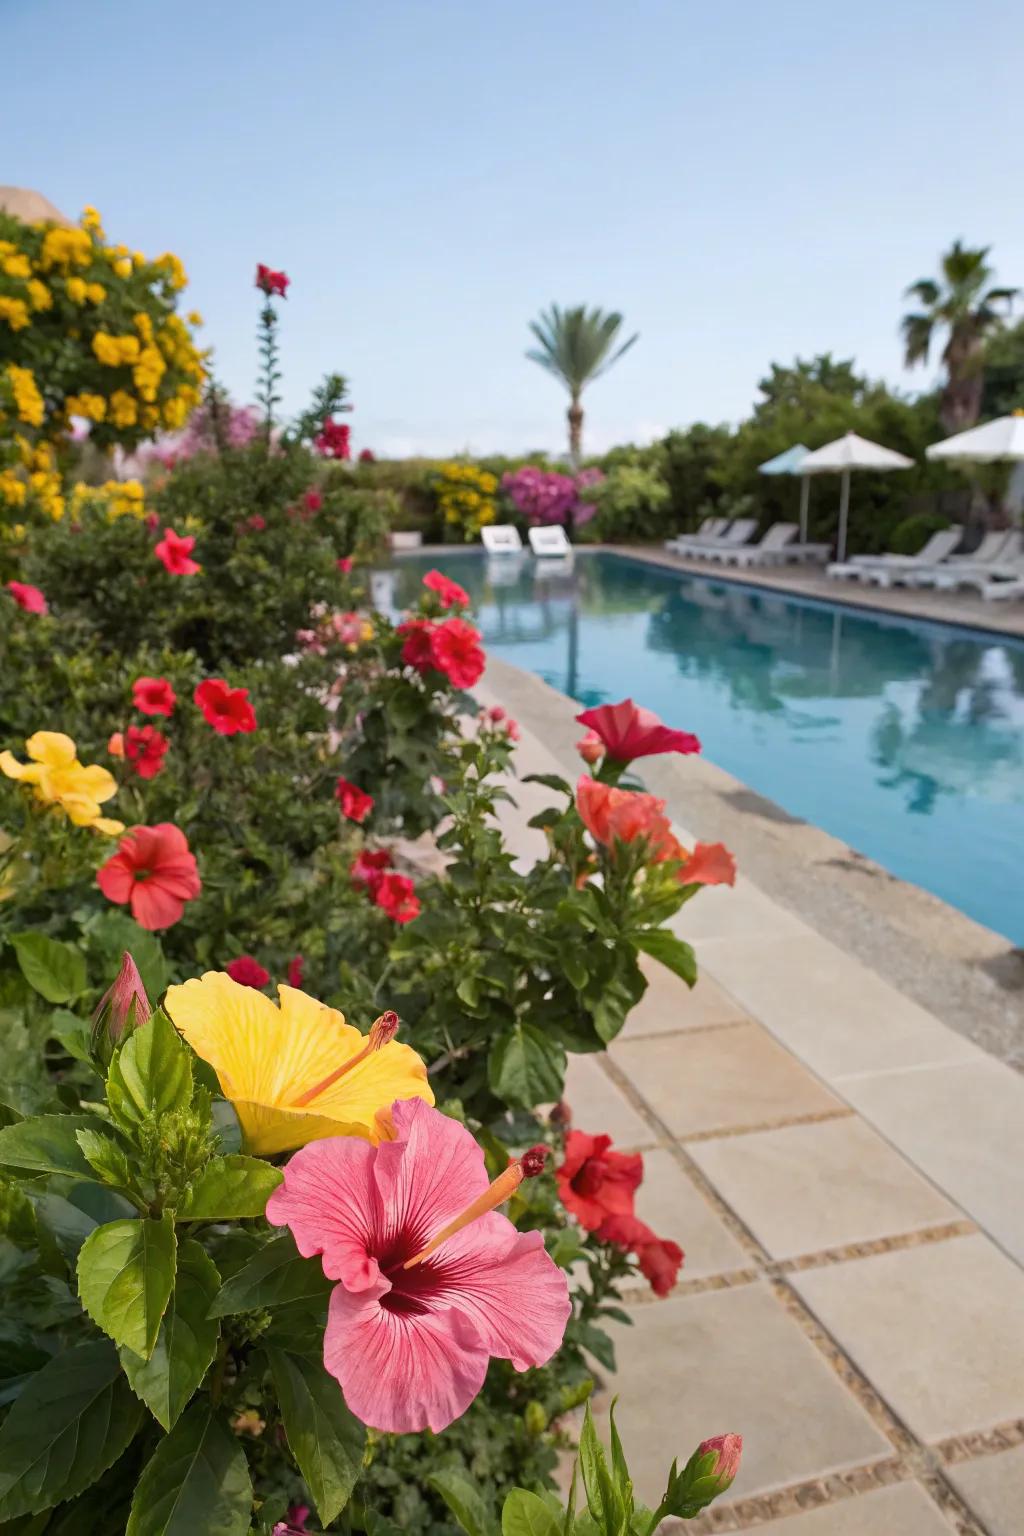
(151, 1074)
(326, 1440)
(603, 1498)
(526, 1066)
(597, 1343)
(620, 1471)
(186, 1343)
(73, 1033)
(549, 781)
(47, 1144)
(125, 1278)
(70, 1424)
(54, 970)
(277, 1274)
(576, 973)
(464, 1501)
(116, 932)
(196, 1484)
(106, 1158)
(524, 1514)
(662, 945)
(228, 1189)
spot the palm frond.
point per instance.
(917, 338)
(577, 345)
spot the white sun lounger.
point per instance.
(736, 534)
(549, 541)
(1003, 580)
(501, 539)
(995, 552)
(710, 529)
(765, 552)
(869, 567)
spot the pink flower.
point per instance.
(257, 522)
(345, 564)
(174, 552)
(417, 648)
(396, 895)
(367, 456)
(727, 1451)
(296, 968)
(269, 281)
(355, 803)
(449, 592)
(333, 440)
(433, 1281)
(313, 501)
(29, 598)
(368, 868)
(457, 652)
(591, 748)
(247, 972)
(629, 731)
(496, 715)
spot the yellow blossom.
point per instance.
(123, 410)
(194, 317)
(76, 289)
(172, 265)
(174, 413)
(115, 350)
(15, 312)
(60, 779)
(96, 293)
(39, 296)
(27, 399)
(92, 407)
(16, 266)
(144, 325)
(66, 248)
(149, 417)
(91, 221)
(123, 266)
(297, 1072)
(12, 490)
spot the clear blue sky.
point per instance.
(745, 181)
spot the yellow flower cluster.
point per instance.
(465, 496)
(171, 265)
(61, 780)
(115, 350)
(14, 311)
(92, 407)
(36, 474)
(117, 498)
(66, 248)
(28, 402)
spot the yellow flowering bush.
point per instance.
(113, 499)
(466, 499)
(91, 331)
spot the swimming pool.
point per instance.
(903, 738)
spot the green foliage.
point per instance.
(632, 501)
(914, 532)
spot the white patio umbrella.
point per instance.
(791, 463)
(842, 457)
(997, 442)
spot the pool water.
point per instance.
(904, 739)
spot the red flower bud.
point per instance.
(123, 1008)
(727, 1450)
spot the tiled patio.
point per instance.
(846, 1175)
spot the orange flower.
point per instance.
(709, 864)
(613, 815)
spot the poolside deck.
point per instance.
(1005, 618)
(846, 1174)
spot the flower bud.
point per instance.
(727, 1450)
(591, 748)
(123, 1008)
(535, 1418)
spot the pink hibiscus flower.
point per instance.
(628, 731)
(433, 1281)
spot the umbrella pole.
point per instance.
(844, 512)
(805, 486)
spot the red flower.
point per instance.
(457, 652)
(345, 564)
(613, 815)
(396, 895)
(659, 1258)
(709, 864)
(368, 868)
(257, 522)
(146, 747)
(449, 592)
(153, 696)
(29, 598)
(355, 803)
(174, 552)
(154, 870)
(151, 521)
(314, 501)
(333, 441)
(418, 650)
(594, 1182)
(367, 456)
(296, 967)
(629, 731)
(269, 281)
(227, 709)
(247, 972)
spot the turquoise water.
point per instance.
(904, 739)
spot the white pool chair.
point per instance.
(501, 539)
(765, 552)
(804, 554)
(737, 534)
(550, 541)
(709, 530)
(996, 550)
(870, 567)
(1004, 580)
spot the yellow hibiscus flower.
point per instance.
(60, 779)
(298, 1072)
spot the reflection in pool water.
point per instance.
(904, 739)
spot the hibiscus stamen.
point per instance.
(382, 1032)
(503, 1188)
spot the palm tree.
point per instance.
(576, 345)
(962, 303)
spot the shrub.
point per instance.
(632, 501)
(914, 532)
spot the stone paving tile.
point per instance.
(720, 1078)
(964, 1127)
(729, 912)
(669, 1004)
(838, 1016)
(902, 1510)
(809, 1187)
(732, 1360)
(938, 1330)
(599, 1106)
(670, 1203)
(993, 1487)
